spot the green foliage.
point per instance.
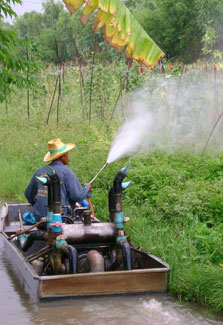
(189, 187)
(210, 13)
(6, 9)
(14, 69)
(209, 40)
(182, 24)
(178, 32)
(51, 13)
(202, 284)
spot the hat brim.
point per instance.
(50, 157)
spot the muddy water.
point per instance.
(17, 308)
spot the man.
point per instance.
(71, 189)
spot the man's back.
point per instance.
(71, 189)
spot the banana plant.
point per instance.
(121, 29)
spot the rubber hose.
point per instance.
(126, 251)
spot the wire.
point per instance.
(36, 2)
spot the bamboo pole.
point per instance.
(51, 104)
(27, 78)
(91, 82)
(125, 81)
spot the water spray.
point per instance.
(99, 172)
(129, 138)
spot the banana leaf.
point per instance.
(121, 29)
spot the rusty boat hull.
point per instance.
(151, 278)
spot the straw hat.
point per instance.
(56, 149)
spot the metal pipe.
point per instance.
(36, 235)
(96, 232)
(99, 172)
(95, 261)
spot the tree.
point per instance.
(180, 25)
(29, 25)
(13, 68)
(210, 17)
(51, 12)
(172, 23)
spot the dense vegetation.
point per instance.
(175, 200)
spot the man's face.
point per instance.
(65, 159)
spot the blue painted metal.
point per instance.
(126, 184)
(60, 243)
(22, 239)
(49, 219)
(119, 238)
(56, 223)
(119, 220)
(42, 180)
(125, 169)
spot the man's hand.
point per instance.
(90, 187)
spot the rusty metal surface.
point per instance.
(119, 282)
(96, 232)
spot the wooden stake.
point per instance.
(25, 230)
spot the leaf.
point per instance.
(73, 5)
(120, 28)
(104, 5)
(109, 30)
(87, 11)
(127, 19)
(100, 19)
(116, 42)
(113, 6)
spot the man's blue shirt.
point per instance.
(71, 189)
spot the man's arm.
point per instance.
(76, 191)
(31, 191)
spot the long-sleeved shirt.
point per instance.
(71, 189)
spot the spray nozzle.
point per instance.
(51, 171)
(125, 185)
(42, 180)
(125, 169)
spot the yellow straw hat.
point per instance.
(56, 149)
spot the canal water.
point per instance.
(17, 308)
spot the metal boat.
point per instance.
(79, 255)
